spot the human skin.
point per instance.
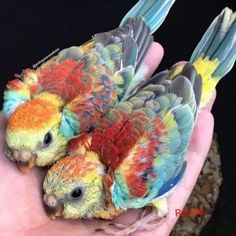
(22, 212)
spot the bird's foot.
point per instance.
(147, 222)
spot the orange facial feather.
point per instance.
(74, 166)
(39, 113)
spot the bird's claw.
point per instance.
(147, 223)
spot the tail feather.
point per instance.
(153, 12)
(142, 38)
(219, 43)
(227, 64)
(215, 54)
(227, 43)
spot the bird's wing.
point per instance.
(143, 140)
(105, 70)
(118, 53)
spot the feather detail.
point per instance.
(79, 145)
(66, 79)
(215, 54)
(84, 112)
(112, 141)
(142, 141)
(127, 47)
(20, 90)
(153, 12)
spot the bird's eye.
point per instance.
(47, 139)
(76, 193)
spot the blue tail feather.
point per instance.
(153, 12)
(219, 43)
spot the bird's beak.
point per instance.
(26, 160)
(25, 167)
(53, 207)
(56, 213)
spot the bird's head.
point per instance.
(74, 187)
(33, 132)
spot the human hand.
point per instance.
(22, 211)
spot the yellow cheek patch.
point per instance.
(34, 115)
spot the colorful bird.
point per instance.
(69, 94)
(136, 155)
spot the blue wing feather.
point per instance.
(170, 184)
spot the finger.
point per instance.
(196, 155)
(152, 59)
(180, 63)
(202, 135)
(209, 105)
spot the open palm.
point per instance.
(22, 211)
